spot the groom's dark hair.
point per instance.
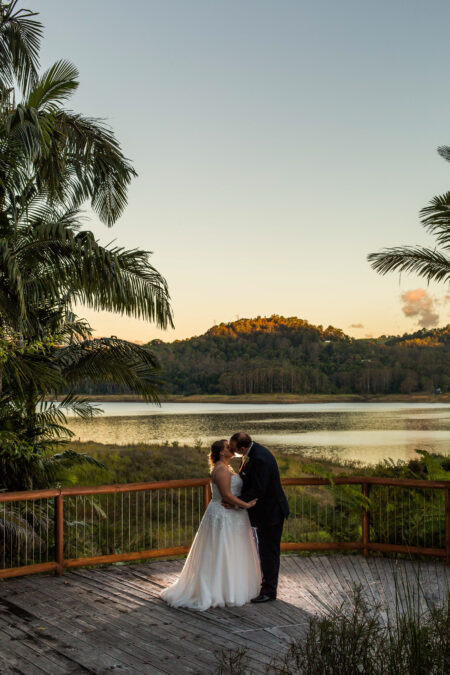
(241, 439)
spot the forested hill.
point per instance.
(276, 324)
(290, 355)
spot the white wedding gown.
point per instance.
(222, 567)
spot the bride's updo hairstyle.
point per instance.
(215, 451)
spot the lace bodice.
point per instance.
(235, 488)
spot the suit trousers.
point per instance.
(269, 539)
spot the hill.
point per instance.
(290, 355)
(275, 355)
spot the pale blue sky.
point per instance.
(277, 143)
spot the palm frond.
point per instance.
(444, 151)
(79, 406)
(51, 420)
(112, 360)
(20, 36)
(126, 283)
(105, 173)
(54, 87)
(436, 218)
(428, 263)
(111, 279)
(16, 530)
(69, 458)
(29, 363)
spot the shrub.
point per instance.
(353, 639)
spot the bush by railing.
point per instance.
(355, 638)
(50, 530)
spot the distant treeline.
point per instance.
(289, 355)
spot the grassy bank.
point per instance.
(105, 524)
(282, 398)
(319, 514)
(143, 462)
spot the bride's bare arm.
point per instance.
(222, 478)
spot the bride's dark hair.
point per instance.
(214, 454)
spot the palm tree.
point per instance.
(53, 160)
(431, 263)
(48, 264)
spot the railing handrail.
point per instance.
(201, 482)
(364, 543)
(370, 480)
(29, 494)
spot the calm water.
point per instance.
(356, 431)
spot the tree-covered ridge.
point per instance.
(276, 324)
(436, 337)
(290, 355)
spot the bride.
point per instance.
(222, 567)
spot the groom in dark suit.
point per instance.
(261, 480)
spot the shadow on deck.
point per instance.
(111, 619)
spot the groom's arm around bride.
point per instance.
(261, 480)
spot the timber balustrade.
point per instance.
(56, 529)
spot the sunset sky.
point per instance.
(277, 144)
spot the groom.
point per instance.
(261, 479)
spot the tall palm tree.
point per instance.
(53, 160)
(431, 263)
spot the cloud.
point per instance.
(356, 325)
(418, 304)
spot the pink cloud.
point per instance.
(420, 305)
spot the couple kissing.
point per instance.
(235, 556)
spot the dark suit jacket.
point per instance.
(261, 479)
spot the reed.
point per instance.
(354, 639)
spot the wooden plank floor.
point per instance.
(111, 619)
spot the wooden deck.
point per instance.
(111, 619)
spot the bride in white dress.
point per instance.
(222, 567)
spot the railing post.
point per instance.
(447, 526)
(206, 496)
(365, 521)
(59, 534)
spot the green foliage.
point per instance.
(139, 463)
(353, 640)
(20, 36)
(278, 355)
(51, 162)
(318, 513)
(432, 264)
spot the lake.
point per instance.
(368, 432)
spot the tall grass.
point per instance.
(415, 640)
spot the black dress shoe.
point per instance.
(262, 598)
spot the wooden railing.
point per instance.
(57, 529)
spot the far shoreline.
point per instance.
(276, 398)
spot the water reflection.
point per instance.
(366, 432)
